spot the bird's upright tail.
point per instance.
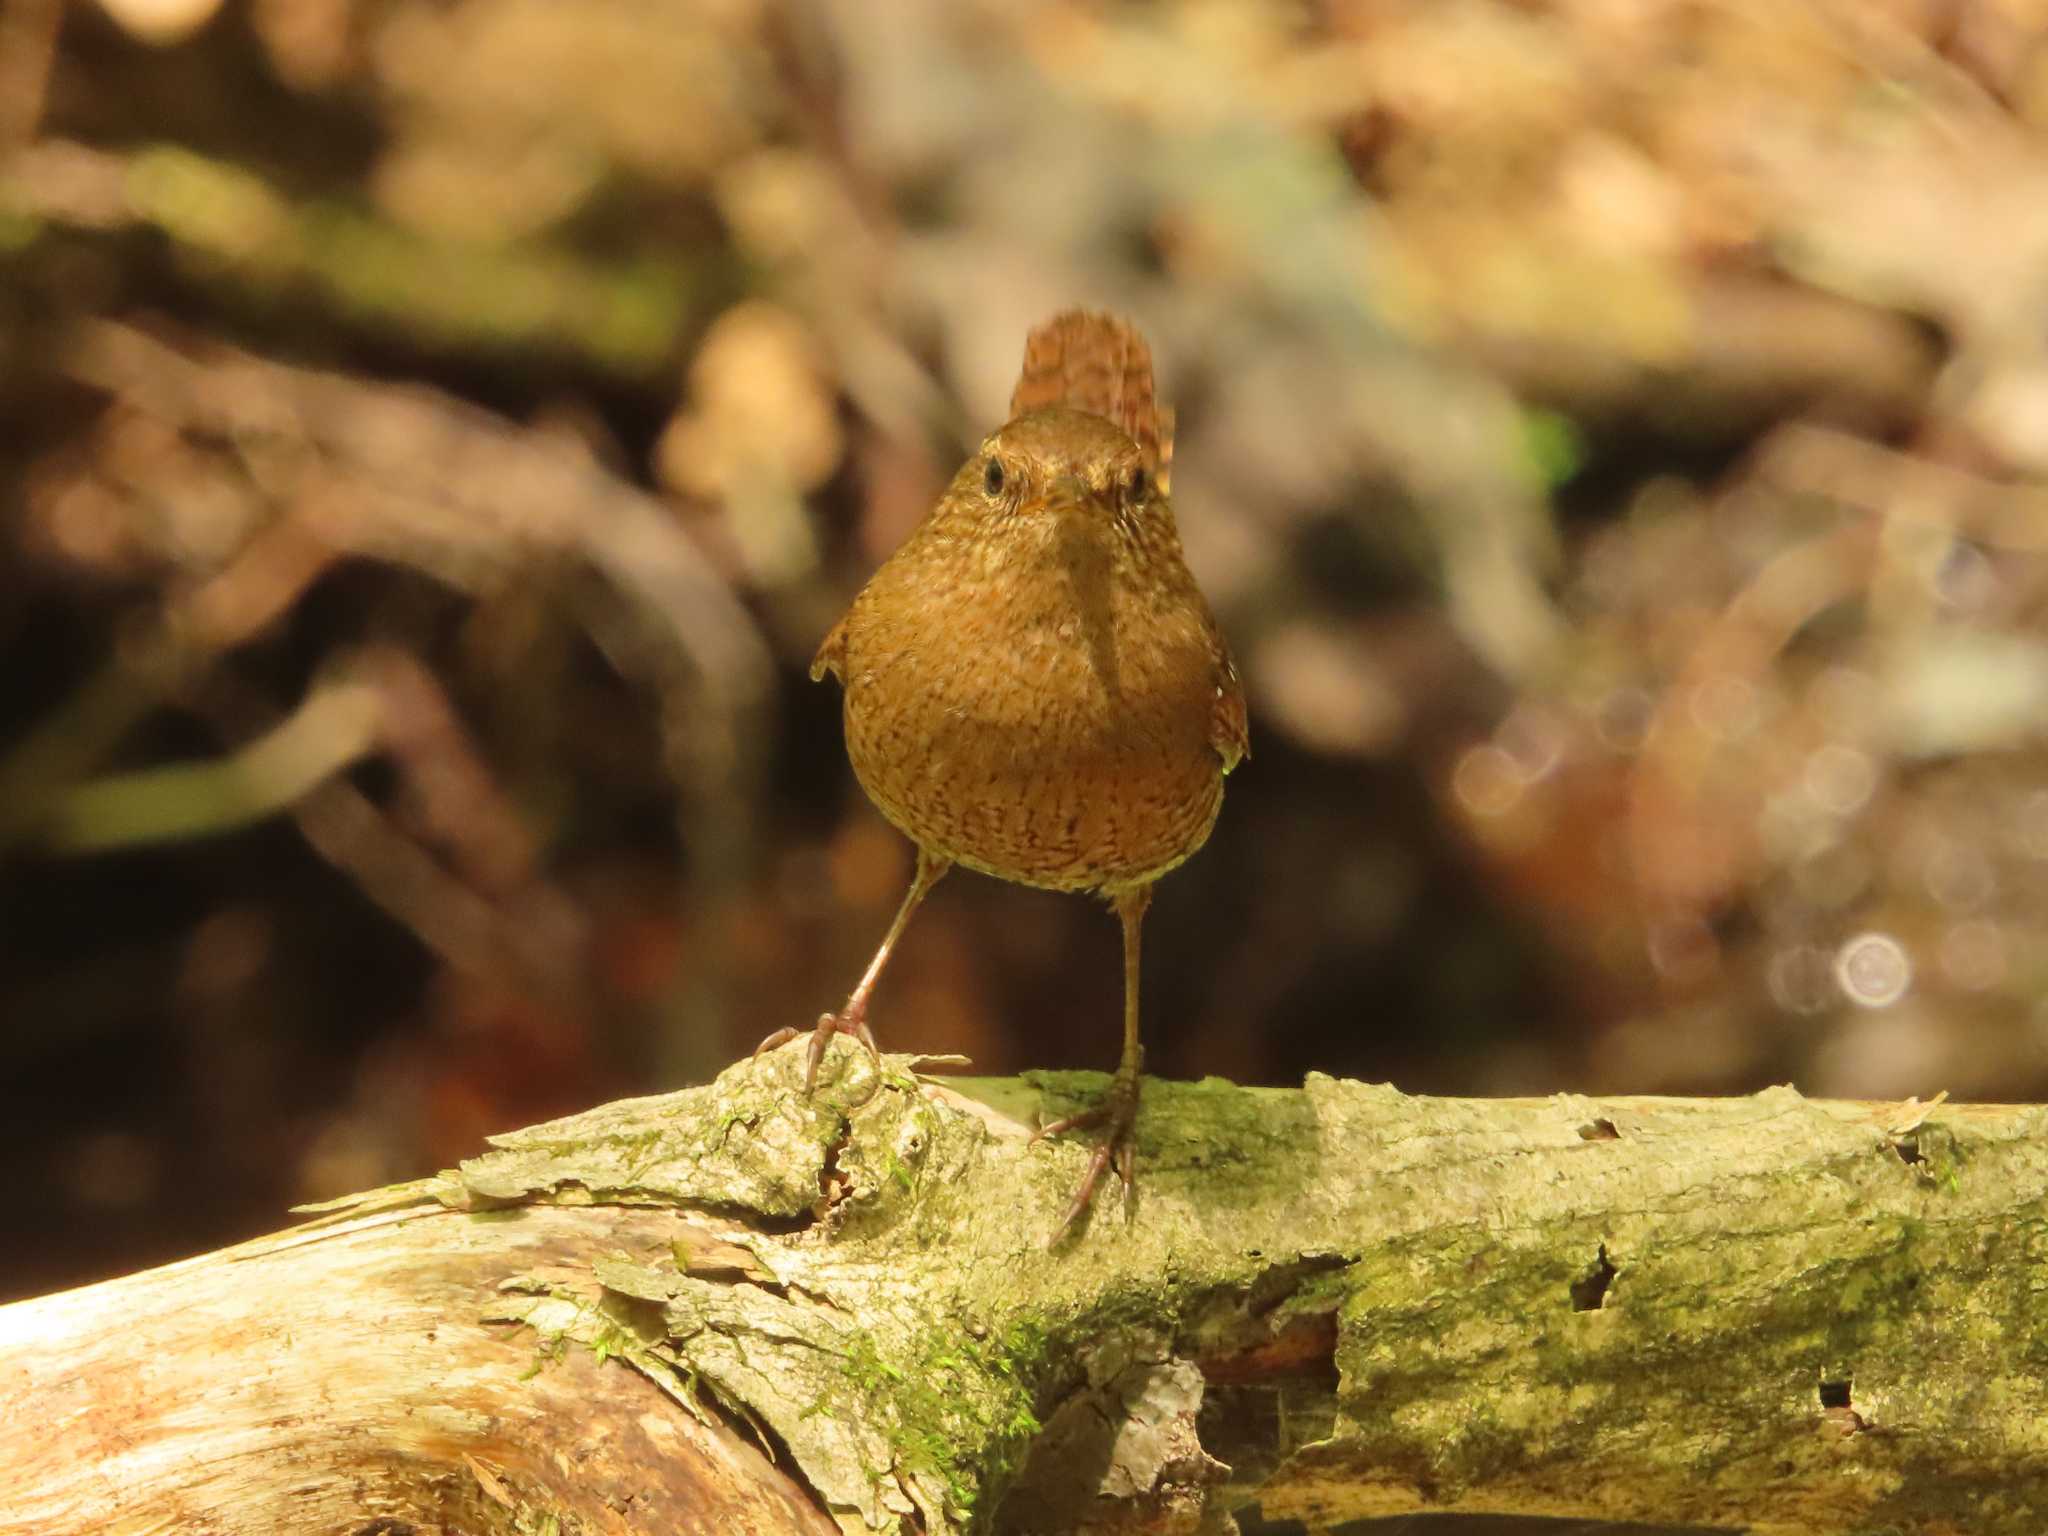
(1100, 364)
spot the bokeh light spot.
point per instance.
(1874, 970)
(1487, 781)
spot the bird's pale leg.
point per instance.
(853, 1018)
(1118, 1111)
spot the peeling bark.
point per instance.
(735, 1309)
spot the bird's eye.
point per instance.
(1138, 483)
(992, 477)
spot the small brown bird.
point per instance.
(1034, 687)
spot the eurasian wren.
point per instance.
(1034, 687)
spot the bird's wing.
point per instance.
(831, 651)
(1100, 364)
(1230, 733)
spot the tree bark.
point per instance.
(738, 1309)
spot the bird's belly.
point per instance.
(1088, 793)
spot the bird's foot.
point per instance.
(1117, 1114)
(852, 1022)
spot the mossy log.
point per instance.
(738, 1309)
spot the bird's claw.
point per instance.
(1118, 1149)
(769, 1042)
(829, 1024)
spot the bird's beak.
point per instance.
(1071, 493)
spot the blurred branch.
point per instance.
(416, 478)
(1741, 351)
(493, 916)
(1806, 460)
(28, 45)
(337, 724)
(325, 469)
(1681, 808)
(233, 230)
(159, 660)
(458, 923)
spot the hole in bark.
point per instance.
(1599, 1130)
(834, 1185)
(765, 1221)
(1835, 1394)
(1908, 1148)
(1284, 1281)
(1304, 1350)
(1589, 1291)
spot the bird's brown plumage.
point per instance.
(1034, 686)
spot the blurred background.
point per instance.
(435, 434)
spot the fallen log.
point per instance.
(738, 1309)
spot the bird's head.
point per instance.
(1060, 463)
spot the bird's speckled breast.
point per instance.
(1042, 721)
